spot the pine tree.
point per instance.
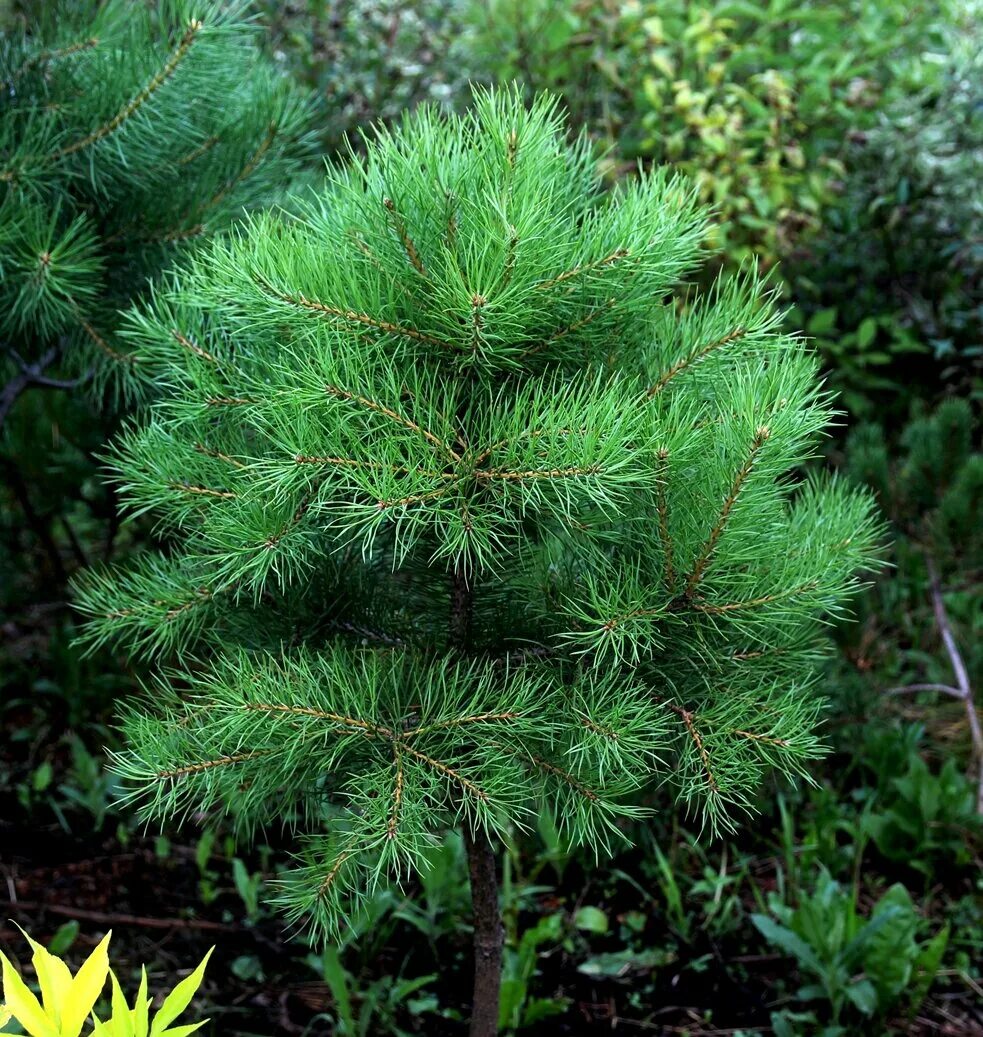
(468, 515)
(127, 131)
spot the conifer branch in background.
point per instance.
(125, 132)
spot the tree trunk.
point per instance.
(489, 934)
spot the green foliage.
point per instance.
(754, 101)
(932, 489)
(866, 966)
(450, 376)
(370, 60)
(902, 244)
(866, 359)
(929, 818)
(517, 1009)
(68, 1001)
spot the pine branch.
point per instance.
(300, 301)
(197, 152)
(689, 721)
(138, 101)
(447, 771)
(571, 329)
(399, 419)
(662, 508)
(565, 776)
(187, 344)
(584, 268)
(694, 358)
(206, 765)
(399, 225)
(114, 354)
(202, 449)
(753, 603)
(398, 788)
(706, 554)
(371, 730)
(249, 167)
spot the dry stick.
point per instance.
(32, 375)
(115, 918)
(963, 690)
(489, 933)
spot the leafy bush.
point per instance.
(933, 494)
(754, 100)
(900, 262)
(928, 821)
(370, 60)
(871, 965)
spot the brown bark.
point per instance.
(489, 933)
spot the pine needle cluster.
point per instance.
(126, 132)
(467, 513)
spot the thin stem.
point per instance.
(28, 375)
(961, 674)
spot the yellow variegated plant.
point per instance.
(136, 1022)
(67, 1001)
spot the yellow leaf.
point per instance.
(23, 1005)
(179, 998)
(183, 1031)
(120, 1023)
(141, 1007)
(54, 979)
(85, 989)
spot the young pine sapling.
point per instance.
(469, 516)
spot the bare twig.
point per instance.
(963, 690)
(909, 689)
(117, 918)
(27, 375)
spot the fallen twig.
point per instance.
(116, 918)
